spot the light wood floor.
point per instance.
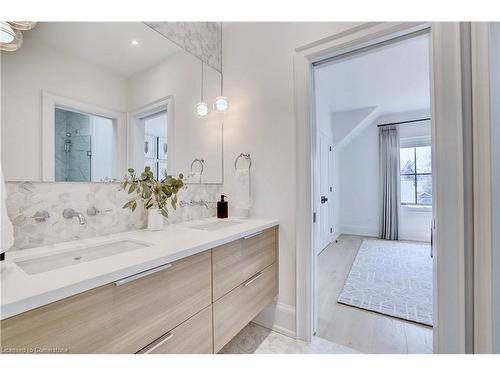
(366, 331)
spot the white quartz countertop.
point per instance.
(21, 292)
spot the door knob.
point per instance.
(324, 199)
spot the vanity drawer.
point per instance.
(235, 262)
(233, 311)
(194, 336)
(116, 319)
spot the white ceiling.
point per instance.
(108, 43)
(394, 78)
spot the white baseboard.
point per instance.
(278, 317)
(359, 231)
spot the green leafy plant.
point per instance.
(150, 192)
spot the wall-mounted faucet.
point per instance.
(201, 202)
(69, 213)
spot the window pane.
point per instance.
(408, 189)
(407, 160)
(424, 189)
(424, 161)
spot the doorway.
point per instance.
(374, 289)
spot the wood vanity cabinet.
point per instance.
(116, 319)
(239, 260)
(194, 305)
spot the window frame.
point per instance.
(415, 176)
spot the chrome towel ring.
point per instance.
(242, 155)
(201, 162)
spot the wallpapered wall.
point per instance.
(202, 39)
(24, 199)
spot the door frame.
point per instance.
(451, 322)
(136, 158)
(484, 137)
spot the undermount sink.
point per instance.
(75, 256)
(216, 225)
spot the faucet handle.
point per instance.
(41, 215)
(93, 211)
(69, 213)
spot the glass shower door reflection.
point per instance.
(79, 158)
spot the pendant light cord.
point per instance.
(221, 71)
(201, 79)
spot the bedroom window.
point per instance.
(416, 176)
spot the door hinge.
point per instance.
(331, 230)
(314, 217)
(330, 148)
(331, 189)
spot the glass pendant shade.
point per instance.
(202, 109)
(7, 34)
(221, 104)
(22, 25)
(15, 44)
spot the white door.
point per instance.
(325, 189)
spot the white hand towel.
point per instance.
(242, 196)
(7, 235)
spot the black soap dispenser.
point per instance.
(222, 208)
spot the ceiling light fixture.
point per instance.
(202, 106)
(7, 33)
(134, 42)
(221, 103)
(11, 37)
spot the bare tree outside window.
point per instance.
(416, 176)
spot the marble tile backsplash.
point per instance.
(202, 39)
(24, 199)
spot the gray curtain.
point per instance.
(389, 180)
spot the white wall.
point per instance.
(104, 134)
(258, 76)
(32, 69)
(358, 186)
(179, 76)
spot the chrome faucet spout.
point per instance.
(69, 213)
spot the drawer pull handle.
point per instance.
(159, 343)
(142, 274)
(251, 235)
(252, 279)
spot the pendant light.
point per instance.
(202, 106)
(221, 103)
(7, 34)
(11, 37)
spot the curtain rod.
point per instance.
(404, 122)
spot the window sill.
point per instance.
(416, 208)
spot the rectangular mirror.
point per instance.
(84, 101)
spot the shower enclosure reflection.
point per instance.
(82, 151)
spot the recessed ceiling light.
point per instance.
(135, 42)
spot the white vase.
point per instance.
(155, 220)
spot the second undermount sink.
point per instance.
(216, 225)
(72, 256)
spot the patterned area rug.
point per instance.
(392, 278)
